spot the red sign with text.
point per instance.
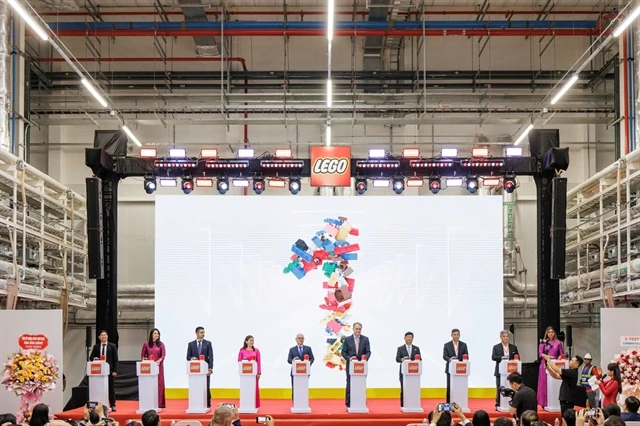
(96, 368)
(33, 341)
(301, 368)
(145, 368)
(413, 368)
(330, 166)
(358, 368)
(461, 368)
(247, 368)
(512, 367)
(194, 367)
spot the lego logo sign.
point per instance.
(413, 368)
(461, 368)
(96, 369)
(512, 367)
(194, 367)
(247, 368)
(145, 368)
(301, 368)
(358, 368)
(330, 166)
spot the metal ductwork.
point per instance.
(61, 5)
(4, 76)
(373, 45)
(206, 46)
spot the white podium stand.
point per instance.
(553, 388)
(98, 372)
(507, 367)
(459, 371)
(300, 371)
(358, 371)
(147, 386)
(197, 371)
(248, 371)
(411, 375)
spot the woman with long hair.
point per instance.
(552, 346)
(248, 352)
(612, 387)
(155, 348)
(39, 415)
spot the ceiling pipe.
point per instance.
(241, 61)
(532, 32)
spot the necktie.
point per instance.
(104, 349)
(357, 346)
(300, 351)
(199, 347)
(409, 351)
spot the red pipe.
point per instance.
(603, 20)
(323, 33)
(345, 13)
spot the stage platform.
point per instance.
(324, 412)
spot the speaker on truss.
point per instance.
(558, 226)
(542, 140)
(569, 339)
(94, 228)
(114, 142)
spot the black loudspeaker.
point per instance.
(542, 140)
(569, 338)
(94, 228)
(88, 337)
(558, 226)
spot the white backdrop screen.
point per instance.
(424, 264)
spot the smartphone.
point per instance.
(91, 405)
(445, 407)
(591, 413)
(261, 420)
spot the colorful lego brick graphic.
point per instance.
(330, 253)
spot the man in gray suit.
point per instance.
(354, 347)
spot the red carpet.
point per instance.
(324, 412)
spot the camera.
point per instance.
(593, 412)
(507, 392)
(446, 407)
(261, 420)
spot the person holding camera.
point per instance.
(523, 399)
(569, 377)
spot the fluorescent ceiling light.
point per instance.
(628, 20)
(29, 19)
(330, 13)
(94, 92)
(564, 89)
(329, 93)
(131, 135)
(524, 134)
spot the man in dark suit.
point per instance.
(110, 352)
(353, 348)
(297, 353)
(406, 351)
(455, 349)
(201, 347)
(501, 351)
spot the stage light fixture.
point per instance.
(150, 184)
(283, 153)
(398, 185)
(208, 153)
(513, 151)
(294, 185)
(148, 152)
(491, 181)
(177, 153)
(415, 182)
(411, 153)
(246, 153)
(277, 183)
(377, 153)
(187, 185)
(478, 152)
(509, 184)
(454, 182)
(204, 183)
(472, 184)
(449, 152)
(381, 183)
(223, 185)
(168, 183)
(258, 186)
(241, 183)
(361, 186)
(434, 184)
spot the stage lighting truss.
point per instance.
(227, 164)
(434, 164)
(175, 163)
(282, 164)
(378, 164)
(482, 163)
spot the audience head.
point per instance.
(528, 418)
(569, 417)
(39, 415)
(150, 418)
(133, 423)
(8, 418)
(515, 380)
(614, 421)
(445, 419)
(631, 404)
(611, 410)
(223, 416)
(503, 421)
(539, 423)
(94, 417)
(481, 418)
